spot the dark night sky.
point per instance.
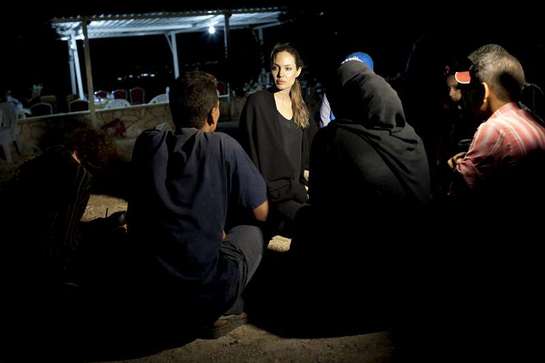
(321, 33)
(37, 56)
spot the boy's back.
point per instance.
(183, 186)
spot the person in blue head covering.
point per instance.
(360, 57)
(326, 114)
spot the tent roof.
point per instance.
(110, 26)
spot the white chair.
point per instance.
(162, 98)
(9, 133)
(117, 103)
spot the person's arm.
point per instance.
(308, 137)
(247, 129)
(261, 212)
(317, 164)
(480, 160)
(248, 186)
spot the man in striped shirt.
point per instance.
(506, 148)
(494, 262)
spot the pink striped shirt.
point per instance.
(500, 143)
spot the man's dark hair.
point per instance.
(94, 147)
(191, 97)
(500, 70)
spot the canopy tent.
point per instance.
(169, 24)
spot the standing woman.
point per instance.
(276, 132)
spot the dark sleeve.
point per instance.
(318, 159)
(308, 137)
(247, 185)
(247, 128)
(57, 190)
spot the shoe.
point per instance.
(118, 219)
(224, 325)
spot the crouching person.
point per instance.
(186, 184)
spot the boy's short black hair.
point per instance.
(191, 97)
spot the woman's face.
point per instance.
(453, 91)
(284, 70)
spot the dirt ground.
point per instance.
(249, 343)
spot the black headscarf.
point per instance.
(368, 106)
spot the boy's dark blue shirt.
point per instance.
(184, 184)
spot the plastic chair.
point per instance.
(51, 99)
(71, 97)
(119, 94)
(48, 99)
(9, 133)
(162, 98)
(101, 94)
(78, 105)
(41, 108)
(137, 95)
(117, 103)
